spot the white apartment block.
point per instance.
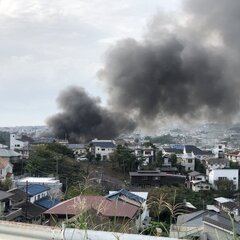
(220, 174)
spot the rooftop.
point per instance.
(38, 180)
(8, 153)
(34, 189)
(5, 195)
(47, 203)
(103, 143)
(108, 208)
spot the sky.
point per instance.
(47, 46)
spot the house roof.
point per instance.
(8, 153)
(173, 150)
(18, 195)
(76, 146)
(127, 194)
(155, 174)
(217, 161)
(47, 203)
(106, 207)
(196, 150)
(33, 210)
(222, 221)
(195, 173)
(34, 189)
(4, 163)
(5, 195)
(191, 219)
(223, 199)
(230, 205)
(103, 144)
(178, 149)
(235, 153)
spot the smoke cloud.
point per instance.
(83, 118)
(186, 67)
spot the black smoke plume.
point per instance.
(186, 67)
(83, 118)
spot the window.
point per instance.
(234, 178)
(189, 160)
(103, 149)
(222, 178)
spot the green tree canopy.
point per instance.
(54, 160)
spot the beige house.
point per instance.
(6, 169)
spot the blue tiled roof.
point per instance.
(47, 202)
(126, 194)
(34, 189)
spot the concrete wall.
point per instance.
(22, 231)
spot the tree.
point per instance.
(123, 160)
(98, 158)
(225, 187)
(199, 166)
(173, 158)
(52, 159)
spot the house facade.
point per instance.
(222, 174)
(155, 178)
(103, 148)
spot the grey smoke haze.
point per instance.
(83, 118)
(186, 71)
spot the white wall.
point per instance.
(16, 144)
(230, 174)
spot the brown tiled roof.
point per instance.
(3, 163)
(105, 207)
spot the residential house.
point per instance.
(146, 153)
(138, 199)
(78, 149)
(155, 178)
(215, 163)
(54, 185)
(196, 176)
(233, 156)
(36, 192)
(218, 226)
(222, 174)
(197, 186)
(227, 205)
(29, 212)
(11, 155)
(6, 169)
(14, 142)
(219, 150)
(190, 149)
(103, 148)
(188, 226)
(114, 210)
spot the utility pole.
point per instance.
(26, 200)
(57, 168)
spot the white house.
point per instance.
(221, 174)
(102, 147)
(219, 150)
(200, 186)
(6, 169)
(19, 146)
(187, 160)
(53, 184)
(147, 153)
